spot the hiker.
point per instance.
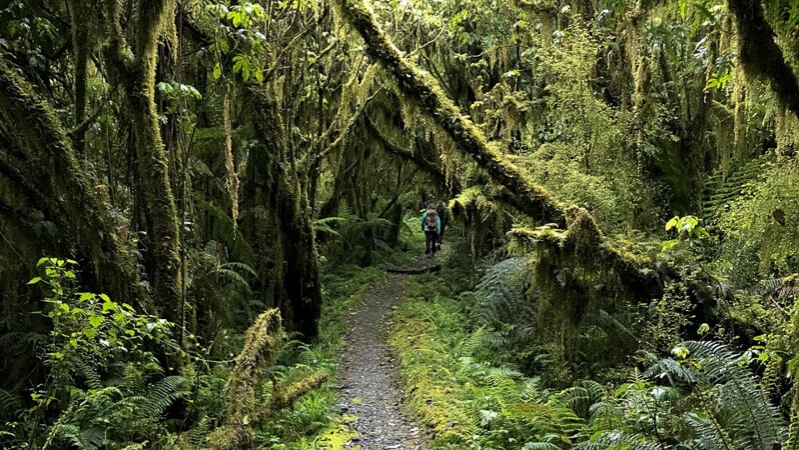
(431, 225)
(443, 216)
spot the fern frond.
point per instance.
(617, 439)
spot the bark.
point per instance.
(91, 224)
(135, 73)
(531, 199)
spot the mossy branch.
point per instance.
(760, 55)
(285, 396)
(429, 167)
(260, 346)
(529, 198)
(243, 415)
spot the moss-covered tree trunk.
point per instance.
(298, 286)
(90, 223)
(80, 45)
(134, 68)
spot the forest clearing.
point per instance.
(399, 224)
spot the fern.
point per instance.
(737, 409)
(10, 407)
(325, 225)
(719, 192)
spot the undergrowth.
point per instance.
(466, 390)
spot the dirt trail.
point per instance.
(369, 389)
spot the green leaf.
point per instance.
(35, 280)
(90, 332)
(668, 245)
(217, 71)
(96, 320)
(85, 296)
(672, 223)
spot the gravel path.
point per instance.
(368, 386)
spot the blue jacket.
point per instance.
(424, 223)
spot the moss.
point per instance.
(90, 221)
(527, 197)
(284, 396)
(761, 57)
(260, 346)
(135, 72)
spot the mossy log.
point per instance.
(639, 278)
(285, 396)
(528, 197)
(41, 135)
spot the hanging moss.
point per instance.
(530, 198)
(91, 221)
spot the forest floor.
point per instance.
(371, 396)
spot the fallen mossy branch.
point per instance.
(243, 416)
(285, 396)
(583, 245)
(416, 271)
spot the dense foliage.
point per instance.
(192, 191)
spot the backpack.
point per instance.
(430, 221)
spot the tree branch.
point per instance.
(531, 199)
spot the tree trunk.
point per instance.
(91, 224)
(300, 292)
(80, 44)
(136, 74)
